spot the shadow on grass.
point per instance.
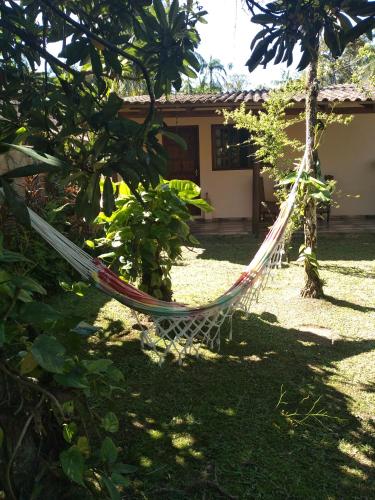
(261, 418)
(350, 305)
(349, 271)
(241, 249)
(355, 247)
(235, 249)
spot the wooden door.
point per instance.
(183, 164)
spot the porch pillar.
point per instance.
(256, 199)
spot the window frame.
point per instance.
(249, 166)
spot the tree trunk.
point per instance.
(313, 285)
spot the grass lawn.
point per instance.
(241, 418)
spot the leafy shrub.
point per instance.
(56, 205)
(145, 233)
(47, 391)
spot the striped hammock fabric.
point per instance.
(178, 328)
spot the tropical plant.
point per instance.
(287, 24)
(66, 108)
(46, 420)
(364, 73)
(144, 235)
(63, 105)
(213, 71)
(211, 77)
(277, 152)
(333, 71)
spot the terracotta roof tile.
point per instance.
(334, 93)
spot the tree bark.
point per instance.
(313, 287)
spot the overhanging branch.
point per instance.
(113, 48)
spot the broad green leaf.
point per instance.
(73, 464)
(97, 365)
(76, 51)
(120, 468)
(83, 445)
(112, 62)
(96, 63)
(90, 243)
(40, 314)
(9, 256)
(160, 13)
(124, 189)
(110, 422)
(69, 431)
(28, 364)
(45, 158)
(119, 479)
(72, 379)
(115, 374)
(185, 188)
(27, 283)
(173, 10)
(49, 353)
(28, 170)
(111, 488)
(202, 204)
(108, 451)
(108, 197)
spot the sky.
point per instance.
(227, 36)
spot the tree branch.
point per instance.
(113, 48)
(252, 3)
(36, 387)
(27, 39)
(16, 448)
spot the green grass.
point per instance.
(242, 416)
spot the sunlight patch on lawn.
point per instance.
(155, 434)
(145, 462)
(182, 440)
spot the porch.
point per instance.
(337, 224)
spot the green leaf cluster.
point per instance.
(66, 107)
(41, 347)
(286, 25)
(144, 235)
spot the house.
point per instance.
(229, 178)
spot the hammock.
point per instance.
(174, 327)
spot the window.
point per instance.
(228, 149)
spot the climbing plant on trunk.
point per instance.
(285, 25)
(313, 284)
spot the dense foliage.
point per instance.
(356, 65)
(278, 152)
(66, 105)
(286, 24)
(61, 64)
(145, 233)
(48, 389)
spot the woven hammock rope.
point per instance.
(177, 328)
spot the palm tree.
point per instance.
(286, 24)
(214, 70)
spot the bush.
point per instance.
(145, 234)
(46, 394)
